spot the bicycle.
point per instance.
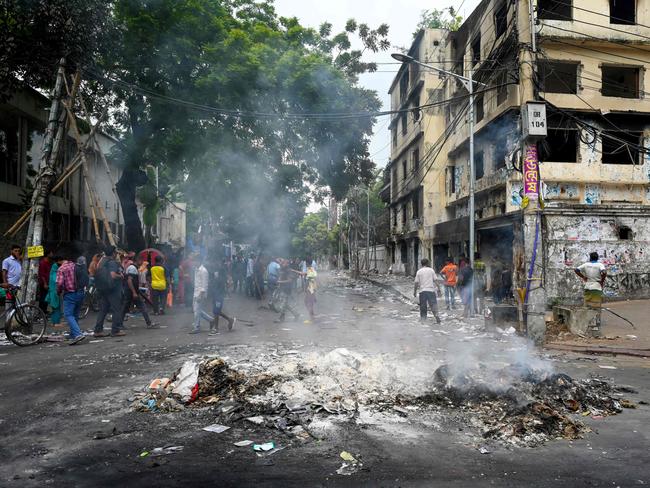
(91, 302)
(25, 324)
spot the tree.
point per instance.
(439, 19)
(247, 174)
(38, 33)
(312, 237)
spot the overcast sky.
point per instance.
(402, 17)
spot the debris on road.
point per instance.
(216, 428)
(243, 443)
(267, 446)
(350, 464)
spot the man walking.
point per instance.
(285, 286)
(465, 282)
(71, 281)
(44, 268)
(593, 275)
(108, 281)
(272, 277)
(450, 273)
(425, 284)
(217, 286)
(199, 302)
(250, 267)
(132, 295)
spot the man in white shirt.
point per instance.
(199, 305)
(12, 268)
(593, 274)
(426, 283)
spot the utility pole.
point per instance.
(472, 181)
(533, 129)
(368, 230)
(54, 135)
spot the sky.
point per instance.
(402, 16)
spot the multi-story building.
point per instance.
(586, 59)
(409, 188)
(23, 118)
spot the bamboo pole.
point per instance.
(81, 146)
(67, 172)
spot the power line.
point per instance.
(597, 50)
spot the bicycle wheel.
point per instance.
(26, 325)
(85, 306)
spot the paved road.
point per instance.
(56, 399)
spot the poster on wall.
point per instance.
(531, 172)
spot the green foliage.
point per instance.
(313, 238)
(248, 175)
(439, 19)
(37, 33)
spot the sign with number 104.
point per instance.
(534, 120)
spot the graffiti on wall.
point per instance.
(555, 190)
(516, 193)
(620, 284)
(592, 194)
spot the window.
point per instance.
(476, 49)
(404, 213)
(9, 148)
(478, 109)
(558, 77)
(479, 167)
(415, 204)
(394, 182)
(622, 12)
(620, 81)
(404, 252)
(554, 10)
(394, 134)
(624, 233)
(403, 86)
(404, 169)
(395, 217)
(621, 147)
(501, 20)
(404, 124)
(452, 179)
(416, 160)
(559, 146)
(500, 153)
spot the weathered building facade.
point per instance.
(22, 126)
(587, 60)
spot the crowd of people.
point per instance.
(470, 282)
(121, 282)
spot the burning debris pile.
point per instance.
(525, 406)
(209, 382)
(517, 403)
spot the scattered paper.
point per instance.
(267, 446)
(604, 366)
(243, 443)
(216, 428)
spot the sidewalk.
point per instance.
(619, 337)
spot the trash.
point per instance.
(243, 443)
(484, 450)
(216, 428)
(346, 456)
(105, 421)
(186, 382)
(144, 453)
(255, 420)
(604, 366)
(632, 337)
(159, 383)
(267, 446)
(163, 451)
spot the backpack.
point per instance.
(81, 277)
(103, 280)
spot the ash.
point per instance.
(298, 392)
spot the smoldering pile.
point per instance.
(524, 406)
(516, 404)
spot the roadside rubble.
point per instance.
(517, 404)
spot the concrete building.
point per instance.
(22, 125)
(587, 60)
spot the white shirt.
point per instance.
(426, 279)
(593, 273)
(201, 277)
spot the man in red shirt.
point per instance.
(71, 280)
(44, 268)
(450, 272)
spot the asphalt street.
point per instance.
(66, 417)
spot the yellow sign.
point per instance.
(35, 252)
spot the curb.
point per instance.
(387, 287)
(614, 351)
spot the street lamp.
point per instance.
(468, 83)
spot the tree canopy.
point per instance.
(439, 19)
